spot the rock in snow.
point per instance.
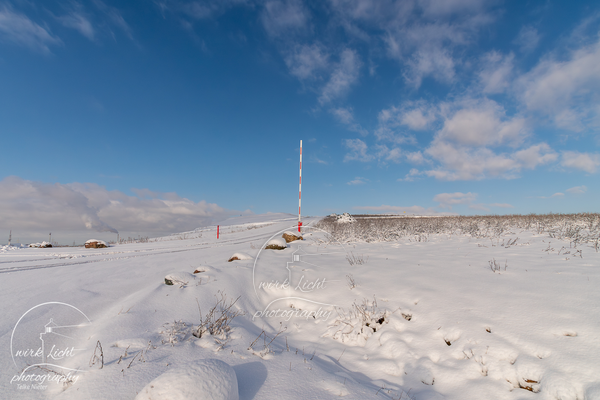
(206, 379)
(239, 256)
(95, 244)
(290, 236)
(276, 244)
(181, 278)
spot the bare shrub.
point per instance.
(98, 356)
(358, 323)
(266, 342)
(174, 332)
(217, 321)
(351, 282)
(495, 267)
(358, 260)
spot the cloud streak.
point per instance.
(19, 29)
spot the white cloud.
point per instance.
(358, 181)
(501, 205)
(427, 47)
(417, 119)
(565, 91)
(114, 17)
(314, 158)
(283, 17)
(390, 134)
(462, 148)
(345, 115)
(19, 29)
(436, 62)
(465, 163)
(588, 162)
(385, 153)
(78, 22)
(480, 123)
(353, 14)
(410, 177)
(202, 9)
(417, 116)
(305, 61)
(33, 206)
(438, 8)
(447, 200)
(535, 155)
(479, 207)
(415, 157)
(577, 190)
(199, 10)
(358, 151)
(555, 195)
(393, 121)
(342, 77)
(528, 38)
(494, 76)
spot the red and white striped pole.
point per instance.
(300, 190)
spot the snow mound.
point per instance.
(40, 245)
(344, 218)
(4, 249)
(180, 278)
(203, 268)
(95, 240)
(207, 379)
(240, 256)
(276, 244)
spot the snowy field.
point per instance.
(509, 314)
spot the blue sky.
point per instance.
(159, 116)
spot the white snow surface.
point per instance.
(442, 324)
(258, 219)
(209, 379)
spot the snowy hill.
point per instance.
(437, 317)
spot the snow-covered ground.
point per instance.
(451, 317)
